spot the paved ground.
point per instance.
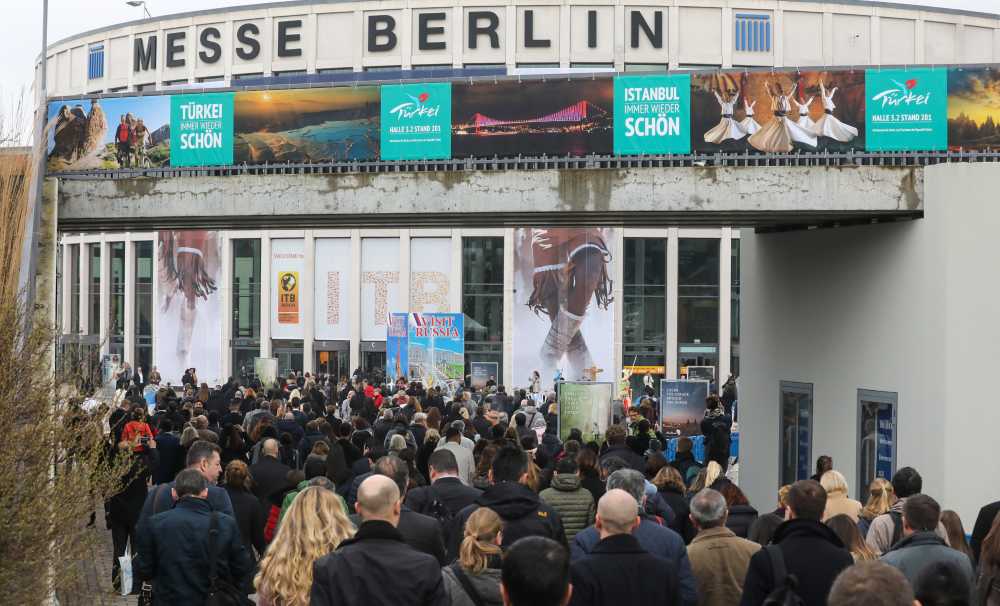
(95, 588)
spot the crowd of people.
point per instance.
(327, 492)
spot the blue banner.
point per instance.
(436, 348)
(396, 354)
(885, 460)
(682, 406)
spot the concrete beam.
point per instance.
(328, 198)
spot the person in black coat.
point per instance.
(377, 566)
(717, 427)
(617, 448)
(121, 511)
(173, 546)
(269, 474)
(618, 570)
(250, 515)
(422, 532)
(446, 496)
(171, 457)
(685, 460)
(520, 508)
(984, 521)
(810, 550)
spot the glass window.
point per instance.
(796, 431)
(94, 292)
(289, 354)
(482, 300)
(698, 302)
(116, 307)
(734, 359)
(246, 305)
(877, 437)
(645, 310)
(60, 289)
(74, 289)
(143, 305)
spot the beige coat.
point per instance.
(837, 503)
(719, 561)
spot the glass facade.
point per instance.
(482, 300)
(644, 313)
(94, 289)
(74, 289)
(116, 307)
(698, 302)
(245, 341)
(734, 306)
(143, 305)
(796, 431)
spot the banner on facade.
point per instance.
(682, 406)
(430, 274)
(287, 271)
(306, 125)
(380, 290)
(416, 121)
(974, 108)
(482, 373)
(778, 112)
(396, 359)
(189, 322)
(585, 406)
(652, 115)
(201, 129)
(907, 109)
(436, 348)
(510, 118)
(563, 305)
(331, 305)
(111, 133)
(266, 371)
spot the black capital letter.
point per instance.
(381, 26)
(490, 29)
(175, 44)
(284, 38)
(654, 35)
(529, 32)
(144, 56)
(424, 31)
(591, 29)
(247, 35)
(209, 35)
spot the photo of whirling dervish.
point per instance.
(828, 125)
(728, 127)
(804, 121)
(748, 123)
(778, 135)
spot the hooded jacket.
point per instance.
(486, 584)
(812, 552)
(574, 504)
(921, 549)
(522, 512)
(881, 530)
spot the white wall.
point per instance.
(906, 307)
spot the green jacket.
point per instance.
(291, 497)
(575, 505)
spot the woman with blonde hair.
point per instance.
(881, 496)
(475, 578)
(313, 527)
(837, 501)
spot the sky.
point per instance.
(21, 36)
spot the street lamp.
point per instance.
(138, 3)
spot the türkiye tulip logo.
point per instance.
(416, 107)
(902, 94)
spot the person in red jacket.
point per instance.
(123, 146)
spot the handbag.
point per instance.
(220, 591)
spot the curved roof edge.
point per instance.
(288, 3)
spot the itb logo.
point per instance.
(902, 94)
(416, 107)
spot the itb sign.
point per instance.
(906, 109)
(652, 115)
(416, 121)
(201, 129)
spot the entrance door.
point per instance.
(332, 358)
(876, 437)
(289, 354)
(795, 431)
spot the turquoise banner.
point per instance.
(416, 121)
(906, 109)
(652, 115)
(201, 129)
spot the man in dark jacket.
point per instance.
(168, 445)
(269, 474)
(177, 546)
(377, 566)
(984, 521)
(203, 457)
(618, 570)
(522, 512)
(446, 488)
(685, 460)
(717, 427)
(810, 550)
(618, 448)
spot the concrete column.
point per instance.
(129, 332)
(45, 270)
(672, 242)
(617, 274)
(354, 292)
(455, 289)
(265, 294)
(404, 269)
(67, 287)
(308, 282)
(508, 308)
(226, 294)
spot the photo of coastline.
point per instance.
(306, 125)
(557, 118)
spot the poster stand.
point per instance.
(584, 405)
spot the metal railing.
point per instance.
(593, 162)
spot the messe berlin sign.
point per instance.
(906, 109)
(652, 114)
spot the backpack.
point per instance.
(784, 584)
(897, 527)
(436, 509)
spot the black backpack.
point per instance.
(784, 585)
(897, 528)
(436, 508)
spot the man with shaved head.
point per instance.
(270, 475)
(618, 570)
(377, 566)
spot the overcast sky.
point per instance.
(21, 36)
